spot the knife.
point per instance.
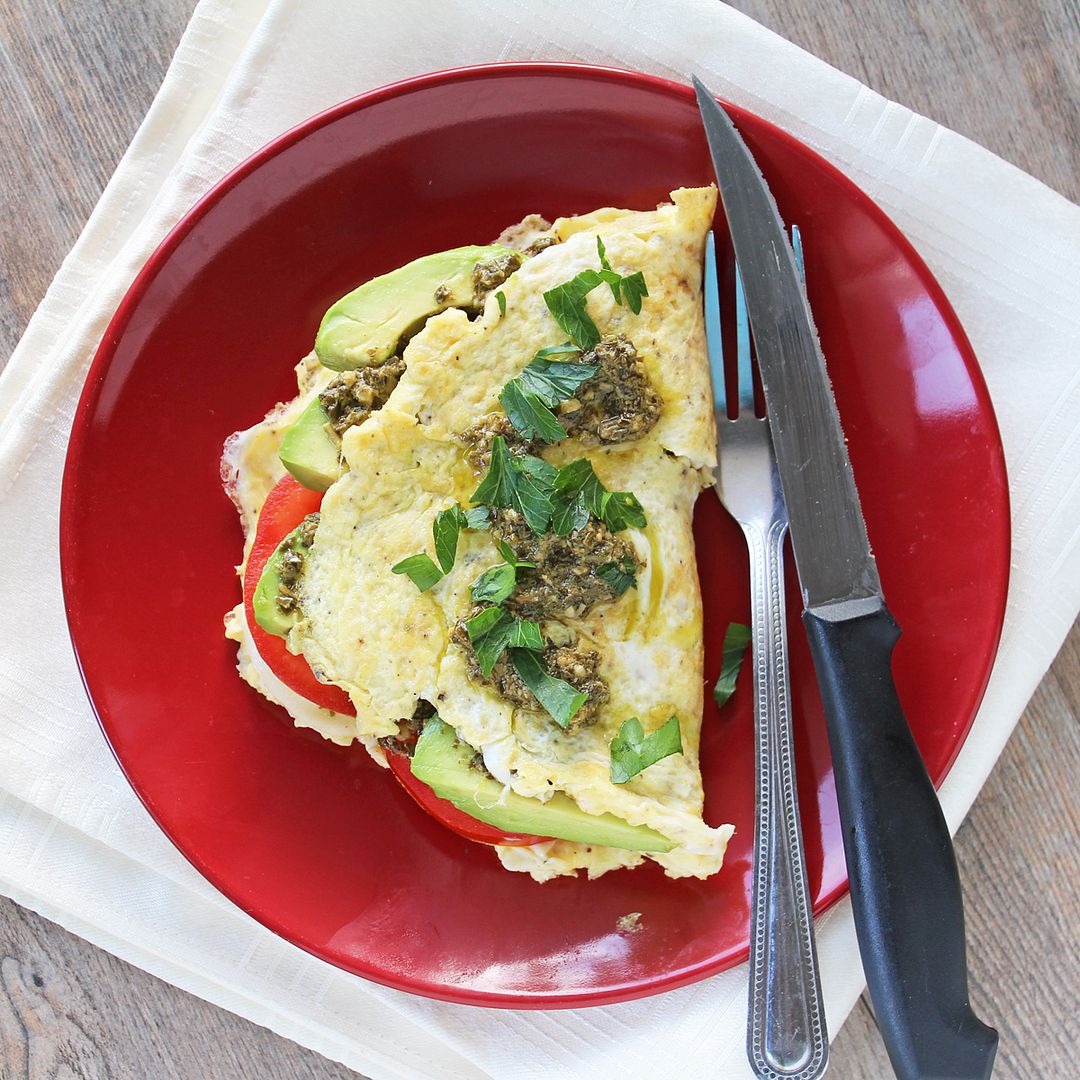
(905, 887)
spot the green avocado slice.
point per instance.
(366, 326)
(309, 451)
(445, 764)
(268, 613)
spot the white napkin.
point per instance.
(76, 845)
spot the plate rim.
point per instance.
(103, 355)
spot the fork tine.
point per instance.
(796, 244)
(742, 343)
(714, 341)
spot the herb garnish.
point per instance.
(619, 575)
(445, 531)
(421, 570)
(560, 700)
(566, 302)
(577, 493)
(477, 517)
(736, 641)
(520, 482)
(632, 286)
(529, 414)
(495, 585)
(632, 750)
(543, 383)
(493, 630)
(501, 297)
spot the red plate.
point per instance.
(316, 841)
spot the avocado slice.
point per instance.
(366, 326)
(268, 613)
(309, 451)
(443, 762)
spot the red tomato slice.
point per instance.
(445, 811)
(286, 506)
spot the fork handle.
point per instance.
(905, 888)
(786, 1033)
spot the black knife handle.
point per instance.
(905, 888)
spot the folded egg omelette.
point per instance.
(572, 541)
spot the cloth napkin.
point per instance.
(75, 844)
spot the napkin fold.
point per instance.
(75, 844)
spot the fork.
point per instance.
(786, 1032)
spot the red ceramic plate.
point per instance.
(317, 842)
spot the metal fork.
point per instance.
(786, 1033)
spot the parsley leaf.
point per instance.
(566, 302)
(501, 297)
(632, 750)
(493, 630)
(525, 634)
(567, 348)
(477, 517)
(619, 575)
(736, 641)
(577, 493)
(607, 266)
(633, 289)
(632, 286)
(521, 482)
(553, 381)
(445, 530)
(529, 414)
(497, 487)
(508, 553)
(621, 510)
(421, 569)
(560, 700)
(568, 516)
(495, 585)
(543, 383)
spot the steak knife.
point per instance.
(905, 887)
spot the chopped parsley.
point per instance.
(632, 750)
(566, 302)
(494, 630)
(520, 482)
(477, 517)
(560, 700)
(501, 297)
(554, 380)
(543, 383)
(567, 348)
(577, 492)
(619, 575)
(736, 641)
(445, 530)
(495, 585)
(508, 553)
(421, 569)
(529, 414)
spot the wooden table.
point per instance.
(76, 80)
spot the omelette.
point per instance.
(500, 579)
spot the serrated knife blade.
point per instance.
(836, 566)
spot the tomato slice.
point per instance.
(286, 506)
(446, 812)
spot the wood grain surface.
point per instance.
(76, 79)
